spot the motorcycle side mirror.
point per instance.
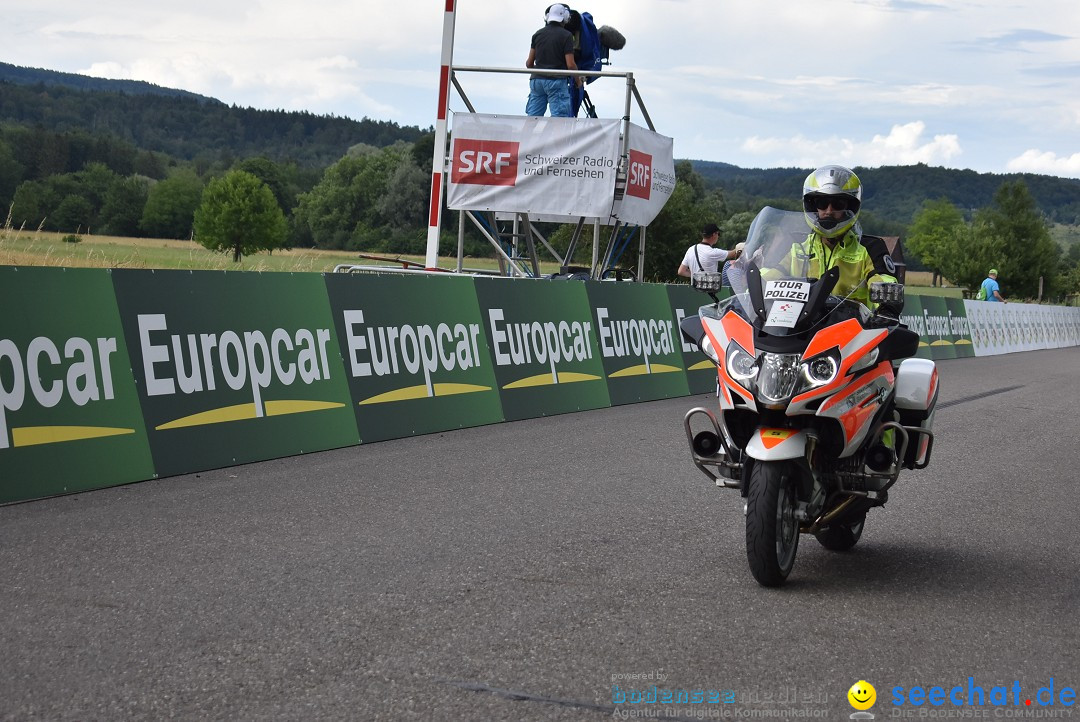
(693, 330)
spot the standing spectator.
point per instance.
(552, 49)
(704, 255)
(991, 289)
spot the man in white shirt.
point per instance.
(705, 256)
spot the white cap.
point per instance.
(557, 13)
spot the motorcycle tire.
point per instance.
(841, 537)
(772, 531)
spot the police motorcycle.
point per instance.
(820, 404)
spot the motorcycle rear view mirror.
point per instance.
(693, 330)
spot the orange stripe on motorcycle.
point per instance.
(833, 336)
(768, 444)
(771, 438)
(739, 331)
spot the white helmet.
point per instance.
(836, 185)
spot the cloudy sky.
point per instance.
(989, 85)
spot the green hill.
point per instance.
(895, 193)
(180, 124)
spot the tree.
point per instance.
(404, 205)
(74, 214)
(239, 213)
(1015, 239)
(170, 206)
(936, 235)
(344, 209)
(123, 206)
(11, 172)
(273, 176)
(734, 229)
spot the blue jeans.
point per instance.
(544, 92)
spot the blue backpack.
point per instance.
(591, 49)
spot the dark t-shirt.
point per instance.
(552, 43)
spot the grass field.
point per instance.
(45, 248)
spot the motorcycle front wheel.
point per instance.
(772, 531)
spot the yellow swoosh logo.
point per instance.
(565, 377)
(411, 393)
(643, 370)
(243, 412)
(702, 365)
(34, 435)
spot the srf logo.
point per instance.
(485, 162)
(639, 184)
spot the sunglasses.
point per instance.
(823, 202)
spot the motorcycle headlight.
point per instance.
(778, 375)
(819, 371)
(741, 366)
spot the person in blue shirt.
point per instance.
(993, 290)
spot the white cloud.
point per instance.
(1046, 163)
(767, 83)
(904, 145)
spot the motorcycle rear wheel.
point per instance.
(841, 537)
(772, 531)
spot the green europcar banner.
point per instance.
(69, 414)
(543, 346)
(639, 342)
(942, 325)
(960, 328)
(416, 353)
(700, 370)
(234, 367)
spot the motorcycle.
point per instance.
(821, 404)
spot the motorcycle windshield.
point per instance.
(776, 249)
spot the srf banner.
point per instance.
(650, 177)
(536, 165)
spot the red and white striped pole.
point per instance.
(438, 159)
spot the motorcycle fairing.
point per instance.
(720, 332)
(857, 406)
(769, 444)
(853, 343)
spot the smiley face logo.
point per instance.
(862, 695)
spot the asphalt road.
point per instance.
(519, 571)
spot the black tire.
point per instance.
(844, 535)
(772, 531)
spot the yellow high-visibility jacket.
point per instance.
(811, 258)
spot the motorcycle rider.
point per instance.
(832, 199)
